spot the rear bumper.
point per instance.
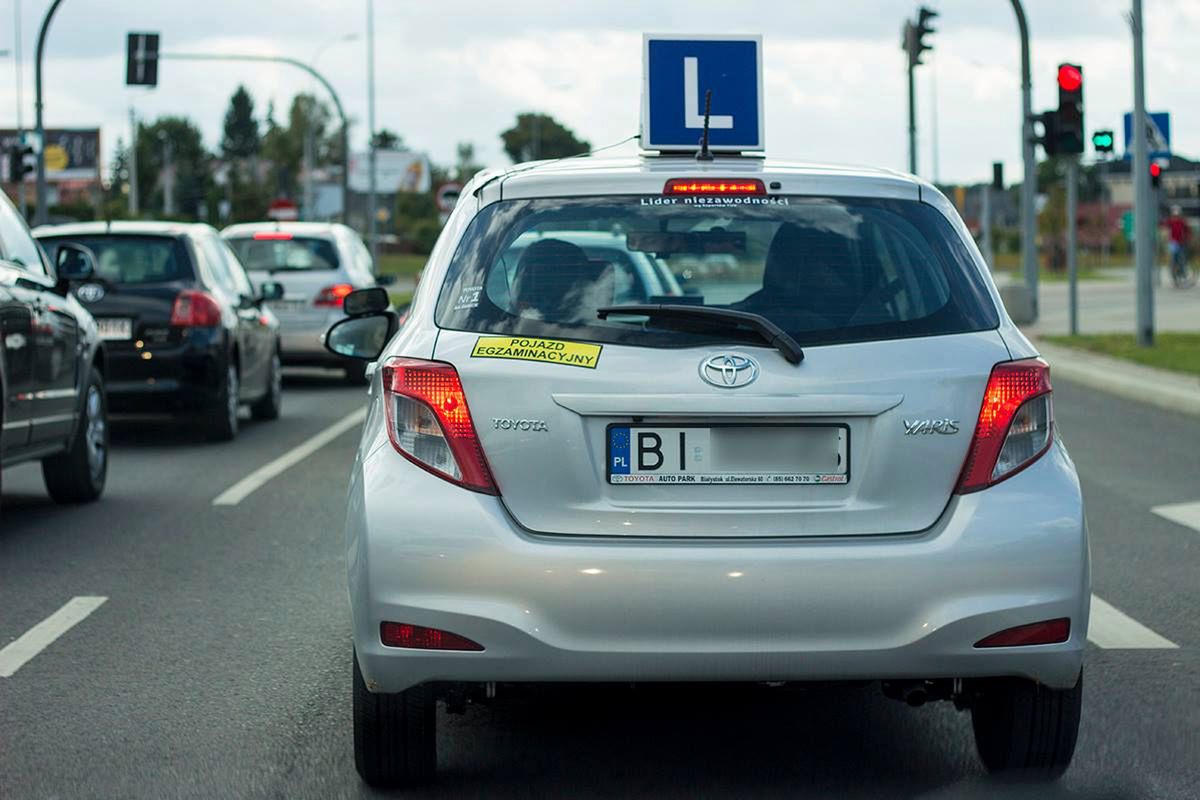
(180, 378)
(422, 551)
(303, 346)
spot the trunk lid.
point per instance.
(544, 429)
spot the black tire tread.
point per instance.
(1026, 729)
(67, 475)
(395, 739)
(268, 406)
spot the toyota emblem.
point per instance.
(90, 292)
(729, 370)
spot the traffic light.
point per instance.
(141, 59)
(915, 33)
(1069, 128)
(1103, 141)
(1155, 175)
(1049, 138)
(18, 162)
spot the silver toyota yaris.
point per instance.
(820, 451)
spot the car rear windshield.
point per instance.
(826, 270)
(128, 260)
(274, 253)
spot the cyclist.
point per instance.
(1179, 235)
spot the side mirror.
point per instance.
(271, 290)
(74, 262)
(385, 280)
(361, 337)
(374, 300)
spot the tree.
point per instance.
(242, 139)
(181, 139)
(284, 146)
(537, 136)
(416, 221)
(388, 140)
(466, 166)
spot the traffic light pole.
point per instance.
(912, 120)
(1143, 216)
(134, 204)
(41, 217)
(1029, 185)
(1073, 243)
(337, 102)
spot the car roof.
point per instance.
(310, 228)
(125, 227)
(647, 174)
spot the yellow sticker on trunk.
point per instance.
(551, 351)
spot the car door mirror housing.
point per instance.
(74, 262)
(374, 300)
(271, 290)
(362, 337)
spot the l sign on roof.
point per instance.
(677, 73)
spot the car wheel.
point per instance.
(395, 740)
(222, 419)
(268, 406)
(78, 475)
(1025, 729)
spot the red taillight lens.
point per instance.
(429, 422)
(416, 637)
(272, 236)
(1015, 424)
(333, 296)
(195, 309)
(1051, 631)
(723, 186)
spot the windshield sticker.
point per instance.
(550, 351)
(656, 200)
(468, 298)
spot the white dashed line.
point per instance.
(1113, 630)
(247, 485)
(16, 654)
(1186, 514)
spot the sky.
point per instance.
(457, 71)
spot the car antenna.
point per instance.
(704, 154)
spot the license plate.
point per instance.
(729, 454)
(287, 306)
(114, 328)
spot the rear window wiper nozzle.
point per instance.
(771, 333)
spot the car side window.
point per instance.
(241, 281)
(211, 252)
(17, 243)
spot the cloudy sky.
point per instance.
(455, 71)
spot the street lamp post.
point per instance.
(1029, 185)
(372, 220)
(41, 217)
(309, 144)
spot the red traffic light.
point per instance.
(1155, 170)
(1070, 77)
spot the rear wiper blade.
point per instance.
(771, 333)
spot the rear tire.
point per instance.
(221, 419)
(395, 735)
(78, 475)
(269, 404)
(1026, 730)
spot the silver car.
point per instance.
(317, 264)
(832, 459)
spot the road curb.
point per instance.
(1115, 376)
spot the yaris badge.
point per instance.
(729, 370)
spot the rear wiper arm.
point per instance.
(771, 333)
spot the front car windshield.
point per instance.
(285, 253)
(826, 270)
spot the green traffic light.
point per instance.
(1102, 141)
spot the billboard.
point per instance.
(395, 171)
(72, 154)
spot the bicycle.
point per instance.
(1182, 273)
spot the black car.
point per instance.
(185, 331)
(52, 367)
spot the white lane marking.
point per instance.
(1113, 630)
(15, 654)
(243, 488)
(1186, 514)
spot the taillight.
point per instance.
(195, 309)
(418, 637)
(1051, 631)
(333, 296)
(1015, 424)
(429, 422)
(723, 186)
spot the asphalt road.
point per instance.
(219, 665)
